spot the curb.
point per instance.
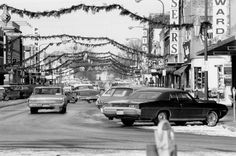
(13, 104)
(231, 128)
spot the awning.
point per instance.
(224, 47)
(180, 70)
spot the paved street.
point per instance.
(84, 127)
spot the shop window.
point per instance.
(199, 78)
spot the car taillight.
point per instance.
(134, 106)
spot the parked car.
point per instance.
(47, 97)
(25, 91)
(71, 96)
(2, 90)
(10, 93)
(155, 104)
(115, 93)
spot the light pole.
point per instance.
(205, 52)
(135, 47)
(163, 6)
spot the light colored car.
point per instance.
(89, 95)
(115, 93)
(47, 97)
(83, 86)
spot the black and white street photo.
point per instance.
(117, 78)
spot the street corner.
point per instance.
(231, 127)
(12, 102)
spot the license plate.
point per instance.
(45, 105)
(120, 112)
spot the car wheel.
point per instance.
(180, 123)
(127, 122)
(63, 110)
(160, 116)
(33, 110)
(212, 119)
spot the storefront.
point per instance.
(226, 73)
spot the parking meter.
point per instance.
(165, 141)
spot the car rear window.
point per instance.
(51, 91)
(122, 92)
(87, 93)
(145, 95)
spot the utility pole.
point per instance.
(205, 52)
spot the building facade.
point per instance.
(12, 53)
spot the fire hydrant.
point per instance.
(165, 141)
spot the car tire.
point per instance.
(63, 110)
(33, 110)
(180, 123)
(159, 117)
(127, 122)
(212, 119)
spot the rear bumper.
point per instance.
(46, 106)
(121, 112)
(87, 97)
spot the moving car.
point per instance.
(83, 86)
(155, 104)
(89, 95)
(47, 97)
(115, 93)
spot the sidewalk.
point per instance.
(12, 102)
(228, 121)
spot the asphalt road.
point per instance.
(83, 126)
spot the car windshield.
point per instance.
(145, 95)
(50, 91)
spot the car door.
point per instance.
(189, 107)
(174, 106)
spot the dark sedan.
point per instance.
(174, 105)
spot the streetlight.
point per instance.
(205, 52)
(163, 6)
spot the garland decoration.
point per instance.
(89, 8)
(111, 41)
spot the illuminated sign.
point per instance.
(174, 32)
(220, 13)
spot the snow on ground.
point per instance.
(219, 130)
(89, 152)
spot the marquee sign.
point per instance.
(220, 20)
(174, 32)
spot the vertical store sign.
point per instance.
(174, 32)
(220, 13)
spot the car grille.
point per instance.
(120, 105)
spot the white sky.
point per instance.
(102, 24)
(107, 24)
